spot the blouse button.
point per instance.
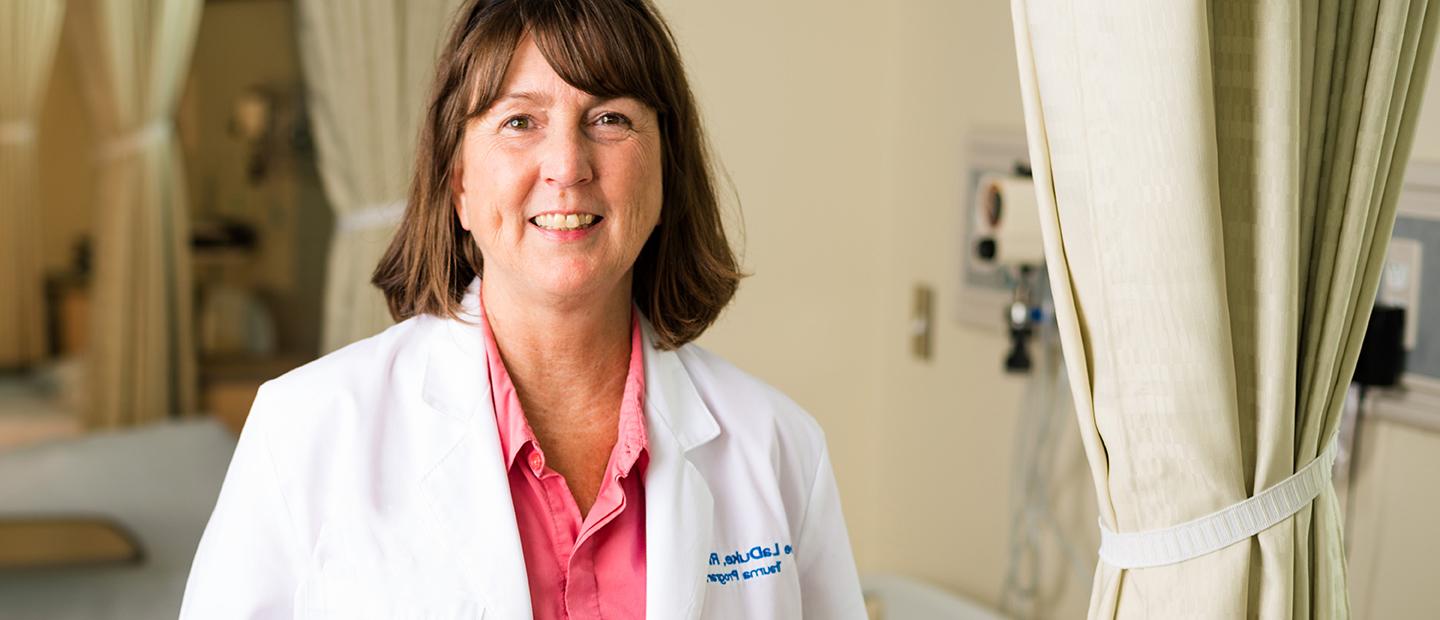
(536, 463)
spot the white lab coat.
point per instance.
(370, 484)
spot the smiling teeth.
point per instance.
(558, 221)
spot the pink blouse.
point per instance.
(591, 567)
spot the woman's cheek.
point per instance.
(645, 187)
(496, 223)
(506, 201)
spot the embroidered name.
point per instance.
(757, 561)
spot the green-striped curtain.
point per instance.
(1218, 183)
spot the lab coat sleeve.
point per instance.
(829, 584)
(246, 564)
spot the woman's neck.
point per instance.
(568, 361)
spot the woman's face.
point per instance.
(560, 189)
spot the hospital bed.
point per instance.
(895, 597)
(157, 482)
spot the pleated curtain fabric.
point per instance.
(368, 66)
(29, 34)
(133, 56)
(1217, 185)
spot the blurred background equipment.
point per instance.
(1006, 222)
(1046, 552)
(30, 30)
(365, 117)
(54, 542)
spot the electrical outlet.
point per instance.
(1400, 283)
(922, 322)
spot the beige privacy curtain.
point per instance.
(1218, 185)
(368, 66)
(29, 31)
(133, 56)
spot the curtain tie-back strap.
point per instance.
(1223, 527)
(156, 132)
(17, 132)
(371, 216)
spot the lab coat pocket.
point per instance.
(328, 597)
(371, 572)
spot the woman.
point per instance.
(543, 442)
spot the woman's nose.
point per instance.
(567, 159)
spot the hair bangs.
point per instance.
(604, 54)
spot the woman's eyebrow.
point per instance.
(541, 99)
(599, 101)
(525, 95)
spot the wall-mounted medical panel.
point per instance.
(1412, 272)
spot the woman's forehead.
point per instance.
(528, 64)
(531, 79)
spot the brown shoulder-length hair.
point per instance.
(685, 274)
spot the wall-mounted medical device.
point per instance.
(1007, 222)
(1007, 237)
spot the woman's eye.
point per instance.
(517, 122)
(612, 118)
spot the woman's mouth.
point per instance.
(563, 222)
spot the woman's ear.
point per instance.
(463, 212)
(457, 192)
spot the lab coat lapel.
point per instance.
(679, 508)
(468, 487)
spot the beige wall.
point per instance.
(844, 126)
(801, 118)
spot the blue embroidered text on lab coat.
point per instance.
(741, 557)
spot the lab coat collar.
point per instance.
(677, 405)
(469, 487)
(679, 508)
(673, 399)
